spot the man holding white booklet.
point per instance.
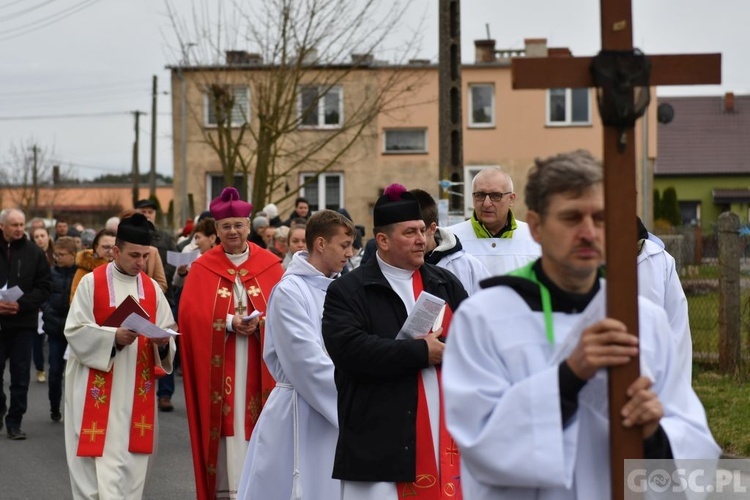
(392, 440)
(110, 405)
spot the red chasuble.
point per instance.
(208, 354)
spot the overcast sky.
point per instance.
(72, 71)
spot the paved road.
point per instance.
(36, 468)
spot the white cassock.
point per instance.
(401, 282)
(118, 473)
(468, 269)
(499, 255)
(659, 282)
(502, 402)
(298, 427)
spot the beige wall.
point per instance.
(519, 136)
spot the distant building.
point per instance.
(704, 153)
(502, 127)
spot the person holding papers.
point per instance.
(225, 380)
(110, 405)
(392, 441)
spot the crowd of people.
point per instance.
(303, 376)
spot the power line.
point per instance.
(10, 4)
(55, 117)
(80, 88)
(44, 22)
(25, 11)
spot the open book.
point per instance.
(125, 309)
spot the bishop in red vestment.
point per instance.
(225, 380)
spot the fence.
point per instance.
(697, 259)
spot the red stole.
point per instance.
(433, 481)
(99, 385)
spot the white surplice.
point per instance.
(118, 473)
(298, 427)
(499, 255)
(468, 269)
(502, 403)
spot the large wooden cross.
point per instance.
(620, 192)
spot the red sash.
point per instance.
(99, 385)
(433, 481)
(223, 361)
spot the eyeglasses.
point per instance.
(106, 248)
(237, 226)
(480, 196)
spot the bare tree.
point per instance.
(27, 168)
(300, 61)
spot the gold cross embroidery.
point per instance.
(214, 434)
(220, 325)
(452, 451)
(226, 410)
(143, 426)
(215, 397)
(224, 292)
(93, 432)
(254, 291)
(211, 470)
(216, 361)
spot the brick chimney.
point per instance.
(363, 59)
(484, 51)
(729, 102)
(241, 57)
(536, 47)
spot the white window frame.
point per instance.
(322, 200)
(321, 107)
(240, 121)
(210, 180)
(404, 151)
(472, 123)
(470, 171)
(568, 110)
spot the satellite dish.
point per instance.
(665, 113)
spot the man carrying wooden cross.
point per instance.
(524, 385)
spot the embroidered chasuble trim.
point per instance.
(223, 363)
(434, 481)
(99, 385)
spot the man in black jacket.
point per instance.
(22, 264)
(388, 382)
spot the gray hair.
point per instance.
(112, 223)
(492, 171)
(7, 211)
(572, 172)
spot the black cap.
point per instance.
(146, 204)
(396, 205)
(136, 229)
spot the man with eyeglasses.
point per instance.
(493, 234)
(23, 265)
(225, 379)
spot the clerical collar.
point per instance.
(562, 300)
(392, 271)
(246, 250)
(238, 258)
(114, 264)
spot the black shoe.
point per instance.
(16, 434)
(55, 415)
(165, 404)
(3, 411)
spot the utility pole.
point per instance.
(449, 84)
(136, 174)
(35, 176)
(152, 173)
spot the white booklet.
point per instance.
(10, 294)
(427, 312)
(178, 259)
(143, 326)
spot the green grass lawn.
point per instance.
(727, 402)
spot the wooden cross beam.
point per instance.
(620, 193)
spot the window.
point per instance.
(215, 183)
(690, 212)
(404, 141)
(235, 98)
(568, 107)
(327, 191)
(482, 105)
(320, 107)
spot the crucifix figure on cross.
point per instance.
(623, 77)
